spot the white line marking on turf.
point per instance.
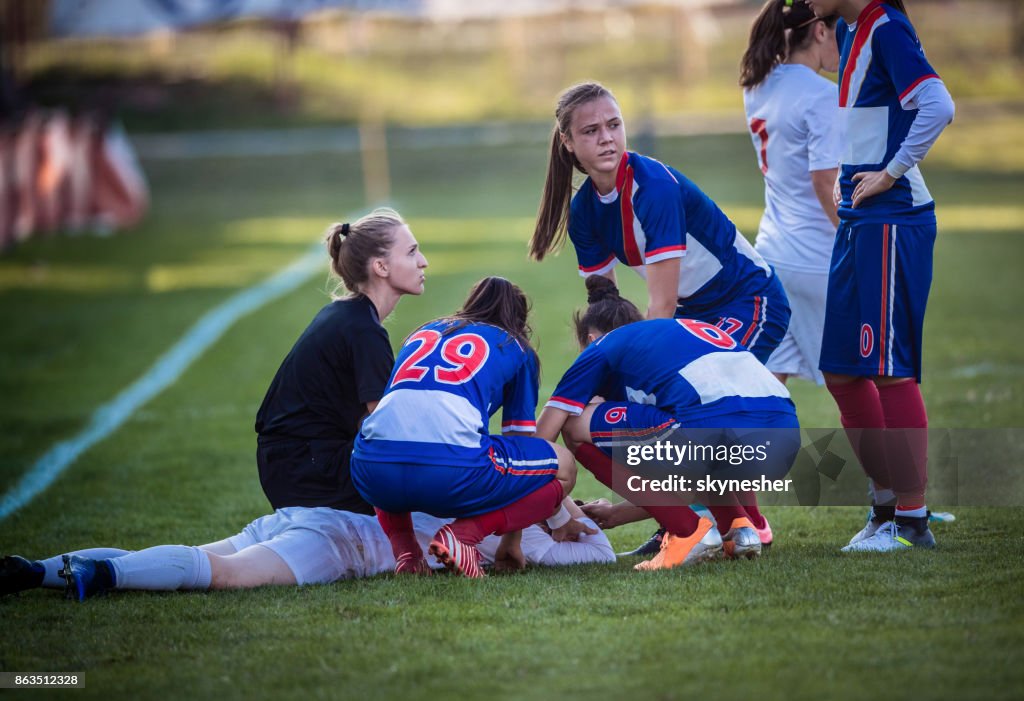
(164, 372)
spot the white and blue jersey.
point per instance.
(656, 213)
(445, 387)
(688, 369)
(882, 68)
(426, 446)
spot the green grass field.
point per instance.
(83, 317)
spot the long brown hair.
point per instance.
(553, 213)
(352, 246)
(780, 29)
(606, 309)
(499, 302)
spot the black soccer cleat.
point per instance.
(18, 574)
(651, 547)
(85, 578)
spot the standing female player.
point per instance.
(894, 107)
(794, 122)
(334, 374)
(680, 378)
(427, 447)
(651, 217)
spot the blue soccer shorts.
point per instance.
(773, 437)
(514, 467)
(757, 320)
(877, 292)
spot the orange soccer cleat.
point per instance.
(677, 551)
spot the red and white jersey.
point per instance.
(793, 118)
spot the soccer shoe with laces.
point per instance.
(650, 547)
(870, 528)
(677, 551)
(902, 534)
(18, 574)
(456, 556)
(412, 563)
(742, 540)
(85, 578)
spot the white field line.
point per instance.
(164, 372)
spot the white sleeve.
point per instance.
(541, 549)
(821, 119)
(935, 110)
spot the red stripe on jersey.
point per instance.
(519, 424)
(620, 175)
(629, 247)
(563, 400)
(666, 249)
(882, 325)
(594, 268)
(917, 82)
(753, 322)
(865, 23)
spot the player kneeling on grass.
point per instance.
(427, 446)
(355, 546)
(661, 379)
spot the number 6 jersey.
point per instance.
(449, 379)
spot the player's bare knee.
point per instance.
(223, 574)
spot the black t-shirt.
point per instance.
(310, 416)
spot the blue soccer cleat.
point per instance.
(651, 547)
(85, 578)
(18, 574)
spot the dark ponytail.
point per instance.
(498, 302)
(781, 28)
(606, 309)
(553, 214)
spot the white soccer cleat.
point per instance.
(870, 528)
(891, 536)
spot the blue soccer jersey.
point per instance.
(654, 214)
(881, 70)
(446, 384)
(687, 368)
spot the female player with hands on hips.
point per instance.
(638, 211)
(893, 106)
(793, 116)
(427, 447)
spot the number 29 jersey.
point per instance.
(447, 383)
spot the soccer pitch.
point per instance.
(84, 317)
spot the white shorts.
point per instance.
(322, 545)
(800, 350)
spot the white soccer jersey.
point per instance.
(793, 118)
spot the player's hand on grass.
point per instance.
(572, 530)
(509, 556)
(869, 184)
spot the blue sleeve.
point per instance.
(580, 382)
(519, 404)
(592, 256)
(659, 209)
(899, 53)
